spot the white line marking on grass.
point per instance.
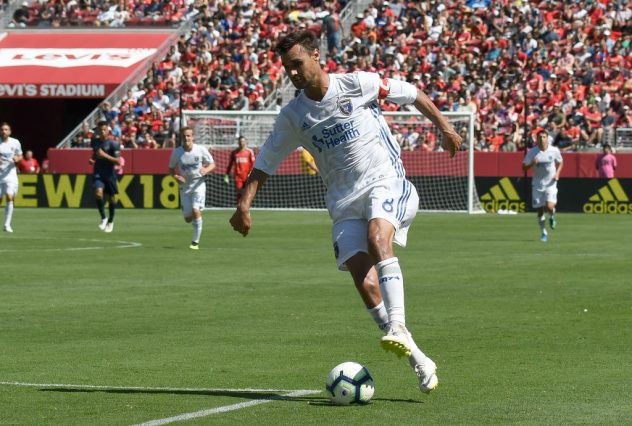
(224, 409)
(121, 244)
(285, 393)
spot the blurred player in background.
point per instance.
(338, 119)
(308, 165)
(242, 160)
(547, 163)
(10, 154)
(28, 164)
(106, 153)
(188, 165)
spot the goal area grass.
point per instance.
(132, 327)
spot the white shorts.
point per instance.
(8, 186)
(394, 200)
(541, 197)
(195, 199)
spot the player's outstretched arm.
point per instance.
(241, 220)
(451, 139)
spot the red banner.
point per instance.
(71, 65)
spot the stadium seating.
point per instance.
(520, 66)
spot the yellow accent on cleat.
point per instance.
(395, 347)
(194, 247)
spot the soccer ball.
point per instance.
(350, 383)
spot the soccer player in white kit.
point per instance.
(10, 154)
(189, 164)
(547, 164)
(336, 117)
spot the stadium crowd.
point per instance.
(519, 66)
(101, 13)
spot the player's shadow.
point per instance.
(325, 402)
(313, 399)
(241, 394)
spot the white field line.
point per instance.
(121, 244)
(286, 393)
(223, 409)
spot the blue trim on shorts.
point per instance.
(403, 200)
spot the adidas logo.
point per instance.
(609, 199)
(502, 197)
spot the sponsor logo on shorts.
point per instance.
(609, 199)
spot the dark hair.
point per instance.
(102, 123)
(305, 38)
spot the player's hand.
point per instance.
(452, 142)
(226, 179)
(241, 222)
(91, 161)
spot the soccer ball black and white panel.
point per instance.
(350, 383)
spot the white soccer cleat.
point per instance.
(109, 227)
(397, 340)
(103, 224)
(7, 228)
(427, 375)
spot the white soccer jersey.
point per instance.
(544, 171)
(345, 133)
(189, 164)
(9, 149)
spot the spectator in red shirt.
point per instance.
(593, 120)
(242, 160)
(28, 164)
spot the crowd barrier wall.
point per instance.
(417, 163)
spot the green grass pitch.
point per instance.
(130, 327)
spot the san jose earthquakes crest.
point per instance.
(345, 106)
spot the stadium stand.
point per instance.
(520, 66)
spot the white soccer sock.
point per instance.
(380, 316)
(417, 356)
(197, 229)
(552, 214)
(8, 213)
(542, 222)
(392, 288)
